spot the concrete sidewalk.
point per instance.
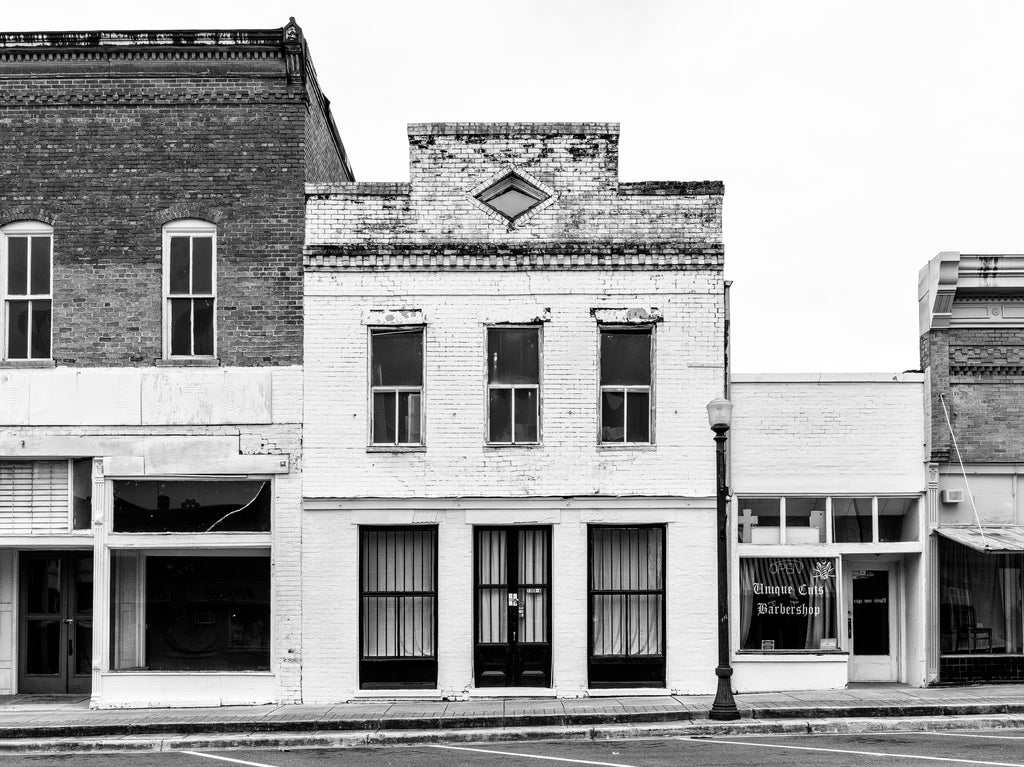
(63, 717)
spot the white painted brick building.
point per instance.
(828, 484)
(471, 540)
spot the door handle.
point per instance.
(849, 625)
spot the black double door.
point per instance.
(512, 606)
(55, 636)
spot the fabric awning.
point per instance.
(997, 539)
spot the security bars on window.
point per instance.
(191, 295)
(625, 385)
(28, 297)
(396, 386)
(513, 385)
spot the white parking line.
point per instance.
(856, 753)
(968, 735)
(538, 756)
(226, 759)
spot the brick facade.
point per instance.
(593, 250)
(106, 137)
(109, 146)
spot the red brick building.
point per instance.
(152, 217)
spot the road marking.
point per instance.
(857, 753)
(538, 756)
(226, 759)
(968, 735)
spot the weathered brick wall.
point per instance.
(979, 372)
(823, 434)
(107, 150)
(457, 306)
(579, 163)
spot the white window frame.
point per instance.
(603, 328)
(513, 387)
(396, 390)
(23, 229)
(188, 228)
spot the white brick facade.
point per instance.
(595, 250)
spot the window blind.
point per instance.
(33, 497)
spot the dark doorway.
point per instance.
(513, 607)
(871, 612)
(55, 647)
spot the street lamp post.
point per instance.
(724, 707)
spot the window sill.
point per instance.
(514, 445)
(642, 446)
(396, 448)
(192, 362)
(788, 655)
(28, 364)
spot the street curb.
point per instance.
(361, 739)
(269, 724)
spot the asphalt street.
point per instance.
(993, 748)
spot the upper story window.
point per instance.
(626, 385)
(190, 289)
(396, 386)
(513, 385)
(26, 279)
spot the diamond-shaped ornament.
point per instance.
(512, 196)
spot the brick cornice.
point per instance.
(129, 97)
(486, 256)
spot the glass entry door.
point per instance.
(55, 647)
(872, 624)
(513, 607)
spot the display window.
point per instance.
(788, 604)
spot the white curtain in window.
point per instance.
(398, 593)
(627, 561)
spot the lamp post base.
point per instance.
(724, 708)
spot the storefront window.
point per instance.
(191, 613)
(788, 604)
(980, 601)
(186, 506)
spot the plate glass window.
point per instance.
(788, 604)
(201, 612)
(625, 385)
(190, 280)
(513, 384)
(396, 386)
(26, 280)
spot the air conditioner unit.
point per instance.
(952, 496)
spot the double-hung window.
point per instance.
(26, 286)
(513, 385)
(190, 288)
(625, 385)
(396, 386)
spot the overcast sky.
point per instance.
(856, 139)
